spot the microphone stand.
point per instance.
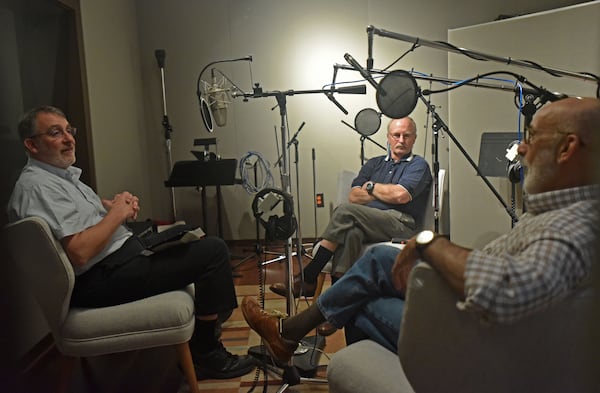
(299, 245)
(482, 56)
(160, 57)
(438, 124)
(362, 143)
(290, 373)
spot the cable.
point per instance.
(415, 46)
(263, 166)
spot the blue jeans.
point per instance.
(366, 298)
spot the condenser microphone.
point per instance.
(365, 74)
(160, 57)
(217, 101)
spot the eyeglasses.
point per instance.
(397, 137)
(529, 134)
(57, 132)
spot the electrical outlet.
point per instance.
(320, 200)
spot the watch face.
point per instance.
(425, 237)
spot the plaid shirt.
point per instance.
(543, 259)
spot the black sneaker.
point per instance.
(221, 364)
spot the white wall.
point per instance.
(473, 111)
(111, 49)
(294, 45)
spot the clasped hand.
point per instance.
(125, 204)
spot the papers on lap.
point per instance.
(169, 235)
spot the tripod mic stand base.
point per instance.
(305, 360)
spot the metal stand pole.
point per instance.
(160, 57)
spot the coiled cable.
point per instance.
(256, 162)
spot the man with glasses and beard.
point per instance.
(110, 263)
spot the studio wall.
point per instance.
(477, 216)
(294, 46)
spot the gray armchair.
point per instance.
(162, 320)
(442, 349)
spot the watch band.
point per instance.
(370, 187)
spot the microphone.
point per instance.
(358, 89)
(294, 138)
(370, 47)
(332, 99)
(217, 101)
(160, 57)
(330, 93)
(365, 74)
(543, 94)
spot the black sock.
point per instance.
(312, 270)
(299, 325)
(205, 338)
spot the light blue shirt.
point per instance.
(64, 202)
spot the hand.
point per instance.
(126, 204)
(359, 195)
(405, 261)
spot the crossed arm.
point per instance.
(388, 193)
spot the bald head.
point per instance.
(580, 116)
(561, 149)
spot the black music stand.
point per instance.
(197, 173)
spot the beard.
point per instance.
(539, 172)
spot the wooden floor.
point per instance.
(238, 337)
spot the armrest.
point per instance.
(444, 349)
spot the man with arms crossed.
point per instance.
(387, 197)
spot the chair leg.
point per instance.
(65, 373)
(187, 365)
(319, 288)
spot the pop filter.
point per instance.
(207, 116)
(397, 94)
(367, 121)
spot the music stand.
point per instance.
(196, 173)
(492, 153)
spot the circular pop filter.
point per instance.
(367, 121)
(397, 94)
(206, 113)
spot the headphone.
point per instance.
(276, 228)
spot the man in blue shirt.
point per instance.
(110, 263)
(388, 195)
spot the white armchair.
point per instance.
(161, 320)
(442, 349)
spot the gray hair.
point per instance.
(410, 119)
(28, 124)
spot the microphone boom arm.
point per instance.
(482, 56)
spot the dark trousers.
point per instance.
(204, 263)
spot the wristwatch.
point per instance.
(370, 187)
(424, 239)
